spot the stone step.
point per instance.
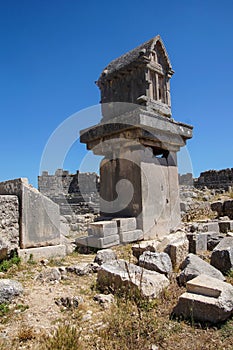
(205, 285)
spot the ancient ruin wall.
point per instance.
(9, 223)
(216, 179)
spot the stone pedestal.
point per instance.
(138, 175)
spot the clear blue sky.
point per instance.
(52, 51)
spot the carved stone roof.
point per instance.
(131, 56)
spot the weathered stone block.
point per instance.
(211, 226)
(9, 224)
(121, 275)
(105, 256)
(49, 252)
(144, 246)
(131, 236)
(225, 226)
(222, 255)
(194, 266)
(159, 262)
(103, 242)
(213, 239)
(126, 224)
(176, 245)
(103, 228)
(9, 289)
(197, 242)
(40, 217)
(207, 300)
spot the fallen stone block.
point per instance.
(225, 226)
(213, 239)
(144, 246)
(103, 228)
(159, 262)
(207, 300)
(194, 266)
(103, 242)
(9, 289)
(131, 236)
(197, 242)
(121, 276)
(176, 245)
(126, 224)
(105, 256)
(222, 255)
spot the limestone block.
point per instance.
(103, 242)
(197, 242)
(213, 239)
(207, 300)
(225, 226)
(103, 228)
(81, 241)
(222, 255)
(126, 224)
(211, 226)
(144, 246)
(105, 256)
(131, 236)
(121, 275)
(205, 285)
(49, 252)
(194, 266)
(9, 289)
(9, 224)
(40, 217)
(159, 262)
(176, 245)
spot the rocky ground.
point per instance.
(63, 307)
(58, 295)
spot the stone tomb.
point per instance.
(139, 141)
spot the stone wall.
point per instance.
(74, 193)
(186, 179)
(9, 223)
(216, 179)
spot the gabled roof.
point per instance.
(133, 55)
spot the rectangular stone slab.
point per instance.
(103, 242)
(205, 285)
(103, 228)
(126, 224)
(39, 216)
(131, 236)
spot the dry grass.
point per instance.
(130, 323)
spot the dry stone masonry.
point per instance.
(74, 193)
